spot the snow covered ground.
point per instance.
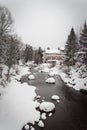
(73, 80)
(23, 70)
(17, 106)
(43, 67)
(17, 101)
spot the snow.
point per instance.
(62, 48)
(31, 77)
(37, 104)
(74, 80)
(29, 63)
(17, 103)
(47, 106)
(50, 80)
(43, 67)
(17, 106)
(38, 97)
(50, 114)
(41, 124)
(58, 100)
(43, 116)
(55, 97)
(51, 74)
(32, 128)
(55, 70)
(52, 51)
(23, 70)
(80, 52)
(26, 127)
(4, 72)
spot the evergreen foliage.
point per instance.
(38, 56)
(70, 49)
(40, 53)
(82, 53)
(28, 53)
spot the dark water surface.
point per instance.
(70, 112)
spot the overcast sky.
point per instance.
(46, 23)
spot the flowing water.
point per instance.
(70, 112)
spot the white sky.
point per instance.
(46, 23)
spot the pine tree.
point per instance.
(83, 46)
(28, 53)
(38, 56)
(40, 53)
(70, 49)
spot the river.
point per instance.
(70, 112)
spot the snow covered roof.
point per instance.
(80, 52)
(52, 51)
(62, 48)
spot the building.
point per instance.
(52, 56)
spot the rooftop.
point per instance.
(52, 51)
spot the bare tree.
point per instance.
(6, 21)
(13, 52)
(6, 24)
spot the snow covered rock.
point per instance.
(38, 97)
(41, 124)
(37, 104)
(47, 106)
(45, 69)
(50, 114)
(58, 100)
(26, 127)
(31, 77)
(51, 74)
(43, 116)
(50, 80)
(55, 97)
(32, 128)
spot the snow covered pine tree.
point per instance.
(70, 48)
(82, 53)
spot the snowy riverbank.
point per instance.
(18, 104)
(72, 79)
